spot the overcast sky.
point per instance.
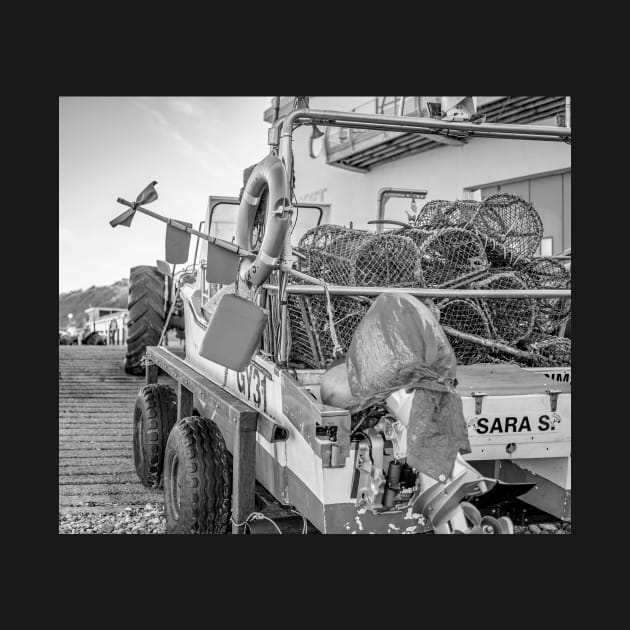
(113, 147)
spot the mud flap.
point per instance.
(500, 492)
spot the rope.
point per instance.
(255, 516)
(258, 516)
(337, 348)
(304, 524)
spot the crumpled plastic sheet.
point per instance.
(400, 344)
(436, 432)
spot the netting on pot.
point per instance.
(511, 319)
(386, 260)
(548, 350)
(344, 256)
(468, 317)
(329, 251)
(509, 226)
(548, 273)
(312, 343)
(432, 213)
(448, 255)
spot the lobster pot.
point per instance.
(449, 255)
(548, 351)
(548, 273)
(343, 256)
(511, 320)
(386, 260)
(441, 213)
(329, 251)
(510, 227)
(466, 316)
(309, 324)
(433, 214)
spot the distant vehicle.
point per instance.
(66, 339)
(94, 339)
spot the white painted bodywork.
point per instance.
(333, 485)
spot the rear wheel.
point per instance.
(153, 418)
(147, 314)
(94, 339)
(197, 479)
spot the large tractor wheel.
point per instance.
(147, 314)
(197, 479)
(94, 339)
(153, 418)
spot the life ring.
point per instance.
(270, 172)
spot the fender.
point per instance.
(270, 172)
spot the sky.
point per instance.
(112, 147)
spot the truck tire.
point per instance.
(197, 479)
(147, 314)
(154, 415)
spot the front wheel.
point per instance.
(197, 479)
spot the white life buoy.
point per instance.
(270, 172)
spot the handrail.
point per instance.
(335, 289)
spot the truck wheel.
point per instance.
(154, 415)
(197, 479)
(147, 314)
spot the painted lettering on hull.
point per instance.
(252, 384)
(514, 424)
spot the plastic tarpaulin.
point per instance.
(399, 344)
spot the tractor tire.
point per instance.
(147, 314)
(154, 415)
(94, 339)
(197, 479)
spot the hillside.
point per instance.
(76, 302)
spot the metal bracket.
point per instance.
(553, 398)
(478, 396)
(282, 210)
(273, 136)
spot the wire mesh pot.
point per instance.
(548, 273)
(309, 326)
(329, 252)
(448, 255)
(344, 256)
(548, 350)
(432, 214)
(510, 227)
(510, 319)
(468, 317)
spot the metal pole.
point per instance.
(308, 116)
(429, 132)
(184, 228)
(384, 194)
(335, 289)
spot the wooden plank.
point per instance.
(244, 470)
(184, 402)
(152, 373)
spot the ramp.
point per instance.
(96, 402)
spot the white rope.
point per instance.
(337, 348)
(304, 524)
(255, 516)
